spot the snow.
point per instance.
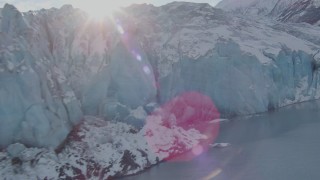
(234, 4)
(256, 7)
(281, 10)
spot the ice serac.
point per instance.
(56, 65)
(127, 82)
(31, 111)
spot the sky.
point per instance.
(25, 5)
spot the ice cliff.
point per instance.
(58, 65)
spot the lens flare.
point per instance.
(139, 58)
(146, 69)
(181, 130)
(197, 150)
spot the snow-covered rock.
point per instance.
(302, 11)
(97, 149)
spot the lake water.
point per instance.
(279, 145)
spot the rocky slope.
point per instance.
(97, 149)
(302, 11)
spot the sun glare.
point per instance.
(99, 9)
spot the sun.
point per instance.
(99, 9)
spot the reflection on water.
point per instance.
(283, 144)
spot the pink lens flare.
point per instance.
(182, 129)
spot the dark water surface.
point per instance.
(279, 145)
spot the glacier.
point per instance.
(58, 65)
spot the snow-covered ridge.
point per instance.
(281, 10)
(256, 7)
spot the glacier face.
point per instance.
(54, 71)
(30, 111)
(245, 66)
(57, 65)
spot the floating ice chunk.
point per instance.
(219, 121)
(220, 145)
